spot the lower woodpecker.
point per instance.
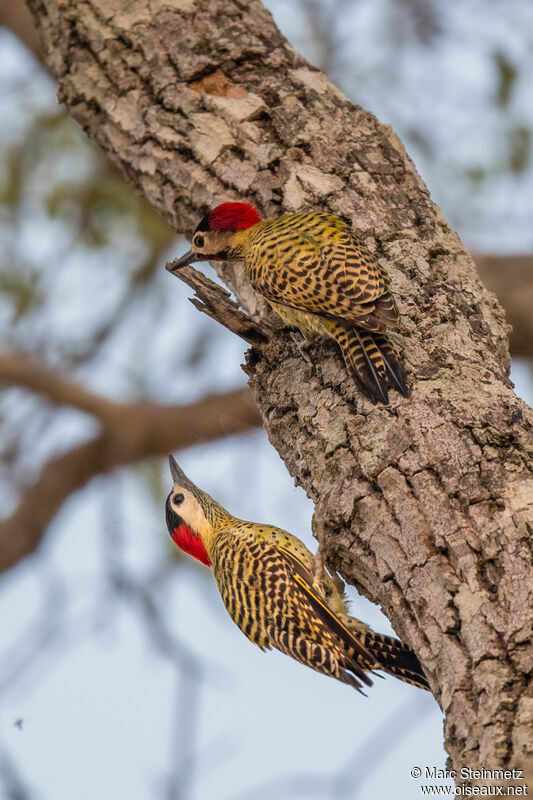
(267, 583)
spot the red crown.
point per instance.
(233, 217)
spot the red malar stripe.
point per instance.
(190, 543)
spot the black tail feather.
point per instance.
(396, 658)
(394, 367)
(371, 359)
(368, 369)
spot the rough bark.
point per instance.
(430, 513)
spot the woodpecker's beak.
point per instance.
(178, 476)
(188, 258)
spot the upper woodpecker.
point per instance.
(265, 578)
(318, 275)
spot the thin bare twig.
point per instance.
(216, 302)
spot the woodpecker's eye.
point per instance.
(198, 241)
(178, 499)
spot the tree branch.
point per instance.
(432, 497)
(216, 302)
(511, 278)
(16, 16)
(130, 432)
(19, 370)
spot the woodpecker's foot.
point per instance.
(319, 527)
(318, 567)
(339, 583)
(320, 555)
(303, 347)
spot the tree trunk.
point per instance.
(427, 503)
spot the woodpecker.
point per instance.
(266, 581)
(319, 276)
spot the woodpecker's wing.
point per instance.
(265, 578)
(266, 585)
(320, 265)
(371, 650)
(303, 578)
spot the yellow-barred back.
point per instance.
(319, 276)
(266, 581)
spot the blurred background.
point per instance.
(121, 674)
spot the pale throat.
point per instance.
(192, 515)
